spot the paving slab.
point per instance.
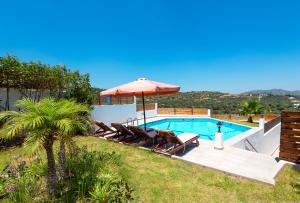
(235, 161)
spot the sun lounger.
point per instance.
(141, 136)
(103, 129)
(177, 142)
(122, 132)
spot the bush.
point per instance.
(22, 183)
(92, 177)
(95, 176)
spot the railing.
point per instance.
(183, 111)
(272, 123)
(151, 106)
(253, 148)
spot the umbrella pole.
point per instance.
(143, 96)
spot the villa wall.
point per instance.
(264, 143)
(114, 113)
(120, 113)
(149, 113)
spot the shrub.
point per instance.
(92, 176)
(22, 183)
(95, 176)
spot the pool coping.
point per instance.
(229, 142)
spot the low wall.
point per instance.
(149, 114)
(114, 113)
(263, 143)
(151, 111)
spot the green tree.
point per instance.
(9, 74)
(251, 108)
(42, 122)
(79, 88)
(78, 124)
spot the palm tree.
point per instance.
(79, 123)
(43, 122)
(251, 108)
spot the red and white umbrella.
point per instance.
(141, 87)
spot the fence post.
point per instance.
(174, 111)
(208, 113)
(192, 110)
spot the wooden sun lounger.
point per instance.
(103, 129)
(143, 137)
(178, 142)
(122, 132)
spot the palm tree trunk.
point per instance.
(62, 159)
(7, 99)
(250, 119)
(52, 177)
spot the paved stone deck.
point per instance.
(234, 161)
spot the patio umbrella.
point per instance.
(141, 87)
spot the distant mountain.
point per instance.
(277, 92)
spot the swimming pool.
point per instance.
(205, 127)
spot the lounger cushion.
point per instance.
(186, 136)
(152, 133)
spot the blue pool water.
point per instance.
(205, 127)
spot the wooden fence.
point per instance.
(268, 117)
(183, 111)
(151, 106)
(110, 100)
(290, 137)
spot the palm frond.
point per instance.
(65, 125)
(26, 104)
(11, 128)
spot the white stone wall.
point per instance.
(149, 113)
(114, 113)
(263, 143)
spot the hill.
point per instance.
(222, 103)
(277, 92)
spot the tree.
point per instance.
(33, 79)
(8, 75)
(79, 123)
(79, 88)
(42, 122)
(251, 108)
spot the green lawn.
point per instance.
(242, 122)
(156, 178)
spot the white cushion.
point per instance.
(152, 133)
(186, 136)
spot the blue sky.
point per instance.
(230, 46)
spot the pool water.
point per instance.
(205, 127)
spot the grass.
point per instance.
(242, 122)
(156, 178)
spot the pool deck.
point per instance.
(234, 161)
(231, 160)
